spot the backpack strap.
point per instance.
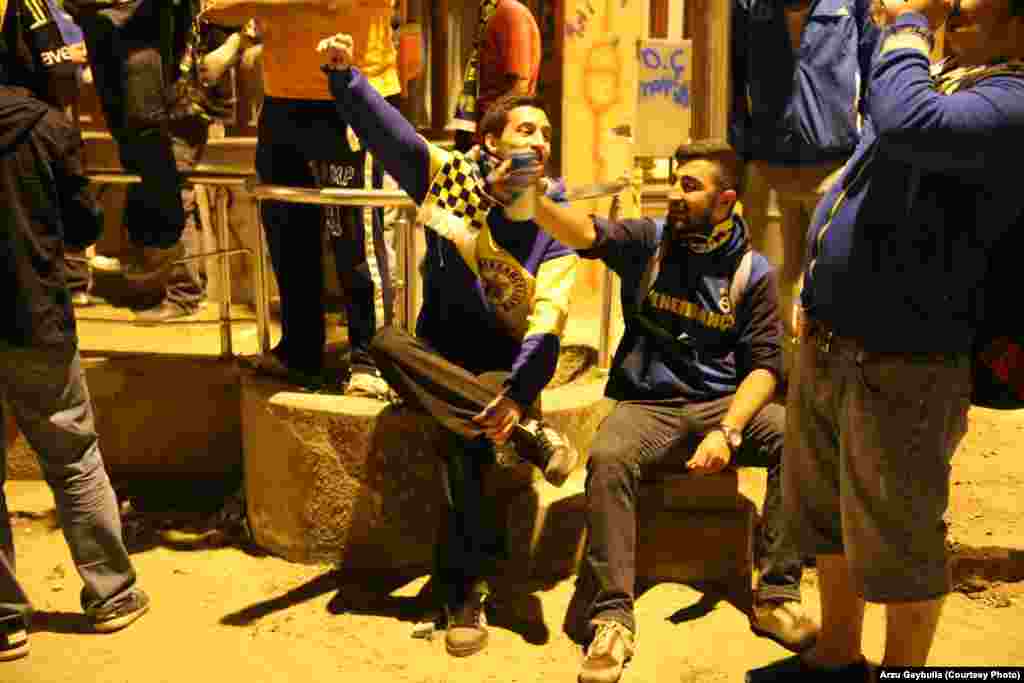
(741, 278)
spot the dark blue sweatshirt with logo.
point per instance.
(899, 247)
(720, 343)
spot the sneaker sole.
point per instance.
(14, 653)
(467, 651)
(119, 623)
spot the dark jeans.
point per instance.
(303, 144)
(640, 440)
(46, 391)
(124, 44)
(452, 396)
(185, 285)
(77, 274)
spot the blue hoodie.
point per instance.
(899, 247)
(799, 108)
(689, 299)
(501, 306)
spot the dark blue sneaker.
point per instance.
(795, 669)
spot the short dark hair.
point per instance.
(726, 161)
(1016, 7)
(496, 117)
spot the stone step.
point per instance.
(158, 417)
(357, 482)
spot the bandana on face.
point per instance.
(703, 243)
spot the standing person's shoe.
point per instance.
(607, 653)
(110, 618)
(467, 626)
(154, 264)
(165, 310)
(13, 638)
(795, 669)
(786, 623)
(544, 446)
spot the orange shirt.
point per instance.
(511, 47)
(291, 64)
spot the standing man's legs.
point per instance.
(866, 483)
(47, 393)
(797, 190)
(293, 234)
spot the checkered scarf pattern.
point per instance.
(949, 78)
(459, 189)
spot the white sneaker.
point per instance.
(368, 385)
(786, 623)
(106, 264)
(607, 653)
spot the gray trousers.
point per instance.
(645, 440)
(46, 391)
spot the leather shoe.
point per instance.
(166, 310)
(467, 627)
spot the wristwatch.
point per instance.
(733, 437)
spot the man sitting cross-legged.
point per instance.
(495, 301)
(694, 378)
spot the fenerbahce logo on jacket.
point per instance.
(504, 284)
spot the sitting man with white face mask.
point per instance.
(495, 303)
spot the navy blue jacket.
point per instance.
(799, 108)
(689, 299)
(898, 249)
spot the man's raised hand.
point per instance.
(337, 50)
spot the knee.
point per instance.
(387, 341)
(609, 464)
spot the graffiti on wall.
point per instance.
(663, 96)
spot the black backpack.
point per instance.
(998, 353)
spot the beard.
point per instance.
(688, 228)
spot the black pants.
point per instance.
(303, 143)
(470, 543)
(125, 45)
(636, 442)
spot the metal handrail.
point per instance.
(208, 178)
(346, 197)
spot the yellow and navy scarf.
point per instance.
(949, 78)
(466, 114)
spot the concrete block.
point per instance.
(358, 482)
(159, 416)
(693, 492)
(546, 528)
(334, 479)
(694, 545)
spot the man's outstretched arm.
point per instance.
(571, 227)
(409, 159)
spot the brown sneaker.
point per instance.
(125, 612)
(544, 446)
(467, 627)
(607, 653)
(786, 623)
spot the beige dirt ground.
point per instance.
(221, 614)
